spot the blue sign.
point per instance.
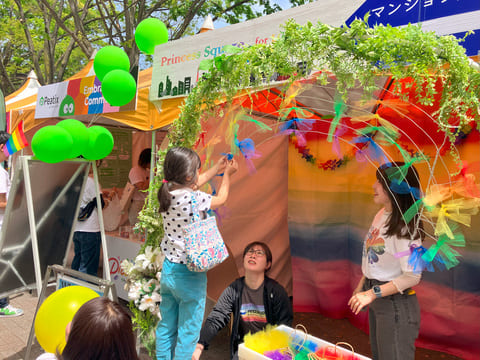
(403, 12)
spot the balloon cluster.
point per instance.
(56, 312)
(69, 139)
(111, 65)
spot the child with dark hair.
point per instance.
(100, 330)
(139, 176)
(6, 310)
(87, 238)
(388, 278)
(254, 300)
(184, 292)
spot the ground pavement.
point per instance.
(14, 334)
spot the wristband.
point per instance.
(377, 291)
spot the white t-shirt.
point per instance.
(378, 260)
(4, 189)
(137, 175)
(178, 215)
(91, 224)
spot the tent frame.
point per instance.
(24, 163)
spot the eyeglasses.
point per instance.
(256, 252)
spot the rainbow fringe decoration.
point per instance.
(16, 142)
(268, 339)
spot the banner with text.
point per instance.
(176, 63)
(75, 97)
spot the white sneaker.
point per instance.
(10, 311)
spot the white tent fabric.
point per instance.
(26, 95)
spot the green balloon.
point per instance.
(118, 87)
(150, 33)
(52, 144)
(110, 58)
(100, 143)
(79, 133)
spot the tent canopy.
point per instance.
(146, 117)
(24, 97)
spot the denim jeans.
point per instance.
(87, 252)
(182, 308)
(394, 324)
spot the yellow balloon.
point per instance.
(56, 312)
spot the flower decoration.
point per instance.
(143, 280)
(143, 287)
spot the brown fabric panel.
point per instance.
(257, 206)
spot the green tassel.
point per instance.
(300, 113)
(263, 127)
(412, 211)
(339, 106)
(443, 248)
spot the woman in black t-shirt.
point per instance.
(255, 300)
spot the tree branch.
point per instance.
(31, 47)
(188, 19)
(82, 42)
(230, 8)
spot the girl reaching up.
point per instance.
(184, 292)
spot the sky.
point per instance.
(284, 4)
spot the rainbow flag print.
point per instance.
(16, 142)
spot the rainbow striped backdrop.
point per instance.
(329, 214)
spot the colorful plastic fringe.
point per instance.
(333, 353)
(457, 210)
(403, 188)
(339, 132)
(298, 127)
(370, 151)
(419, 264)
(443, 249)
(262, 126)
(247, 148)
(277, 355)
(400, 172)
(412, 211)
(269, 339)
(339, 106)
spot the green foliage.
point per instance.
(356, 55)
